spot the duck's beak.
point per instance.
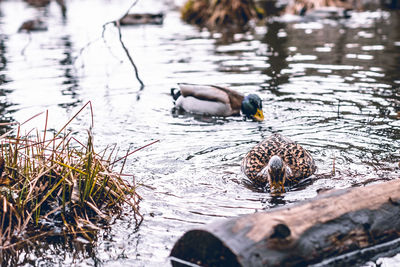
(277, 188)
(259, 116)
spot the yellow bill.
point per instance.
(277, 188)
(259, 116)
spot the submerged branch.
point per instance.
(116, 23)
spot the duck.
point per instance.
(277, 160)
(216, 100)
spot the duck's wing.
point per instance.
(204, 92)
(258, 157)
(296, 157)
(213, 93)
(235, 98)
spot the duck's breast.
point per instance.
(258, 157)
(299, 161)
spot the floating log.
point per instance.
(334, 223)
(142, 18)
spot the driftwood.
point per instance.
(351, 221)
(142, 18)
(117, 24)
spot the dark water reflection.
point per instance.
(333, 86)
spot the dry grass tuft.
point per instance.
(218, 14)
(58, 184)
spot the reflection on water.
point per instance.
(5, 106)
(71, 82)
(333, 86)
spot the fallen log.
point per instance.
(337, 222)
(141, 19)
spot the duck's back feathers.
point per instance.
(295, 157)
(211, 93)
(204, 92)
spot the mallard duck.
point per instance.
(217, 101)
(277, 160)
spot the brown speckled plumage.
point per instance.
(294, 156)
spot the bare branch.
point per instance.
(129, 9)
(129, 56)
(117, 24)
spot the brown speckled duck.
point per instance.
(277, 160)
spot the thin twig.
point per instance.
(116, 23)
(130, 153)
(76, 114)
(129, 9)
(26, 46)
(126, 157)
(74, 59)
(102, 36)
(106, 44)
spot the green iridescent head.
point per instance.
(252, 107)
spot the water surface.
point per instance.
(331, 85)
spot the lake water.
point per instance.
(331, 85)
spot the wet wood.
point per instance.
(333, 223)
(142, 18)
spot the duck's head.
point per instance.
(252, 107)
(275, 173)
